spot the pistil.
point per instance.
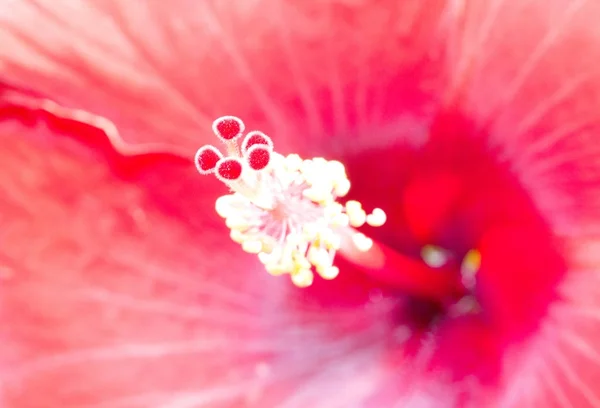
(286, 210)
(406, 274)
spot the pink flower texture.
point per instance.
(472, 124)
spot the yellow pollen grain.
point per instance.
(472, 260)
(377, 218)
(469, 267)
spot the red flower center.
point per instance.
(455, 195)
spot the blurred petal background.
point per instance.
(473, 124)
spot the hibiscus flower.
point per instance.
(473, 125)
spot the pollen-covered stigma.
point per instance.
(284, 209)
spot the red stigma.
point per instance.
(228, 128)
(258, 157)
(256, 138)
(207, 158)
(229, 169)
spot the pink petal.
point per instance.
(120, 287)
(522, 72)
(162, 72)
(117, 290)
(525, 76)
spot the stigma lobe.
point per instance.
(229, 169)
(258, 157)
(228, 128)
(256, 138)
(206, 159)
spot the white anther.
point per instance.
(377, 218)
(342, 187)
(318, 194)
(270, 258)
(336, 168)
(252, 247)
(238, 223)
(353, 205)
(276, 269)
(340, 220)
(293, 162)
(265, 258)
(303, 278)
(223, 206)
(329, 272)
(357, 217)
(319, 257)
(362, 242)
(237, 236)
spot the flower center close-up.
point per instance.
(292, 204)
(284, 209)
(466, 249)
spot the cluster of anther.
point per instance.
(284, 209)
